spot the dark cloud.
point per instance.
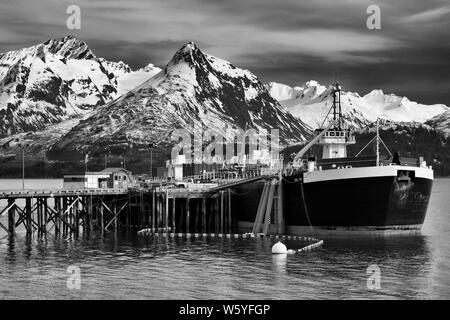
(289, 41)
(137, 55)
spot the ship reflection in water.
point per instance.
(140, 267)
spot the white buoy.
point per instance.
(278, 248)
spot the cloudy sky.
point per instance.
(288, 41)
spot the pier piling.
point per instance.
(167, 209)
(102, 221)
(203, 213)
(196, 216)
(229, 210)
(187, 214)
(91, 214)
(173, 215)
(11, 216)
(216, 215)
(221, 211)
(28, 217)
(153, 209)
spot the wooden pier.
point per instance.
(72, 212)
(64, 212)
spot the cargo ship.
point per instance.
(333, 193)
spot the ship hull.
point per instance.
(376, 200)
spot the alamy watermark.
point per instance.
(69, 277)
(373, 21)
(74, 19)
(210, 146)
(374, 280)
(74, 278)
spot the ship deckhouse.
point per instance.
(336, 139)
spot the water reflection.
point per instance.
(134, 266)
(405, 264)
(279, 263)
(176, 268)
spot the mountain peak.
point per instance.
(311, 83)
(190, 46)
(189, 63)
(376, 92)
(69, 46)
(69, 37)
(191, 54)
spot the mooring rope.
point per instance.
(306, 208)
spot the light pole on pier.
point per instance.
(86, 160)
(23, 146)
(151, 146)
(23, 167)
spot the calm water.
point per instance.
(135, 267)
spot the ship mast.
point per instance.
(337, 110)
(337, 114)
(378, 144)
(377, 139)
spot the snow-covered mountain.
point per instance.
(59, 96)
(309, 90)
(312, 101)
(441, 122)
(58, 80)
(401, 109)
(195, 91)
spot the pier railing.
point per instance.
(23, 193)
